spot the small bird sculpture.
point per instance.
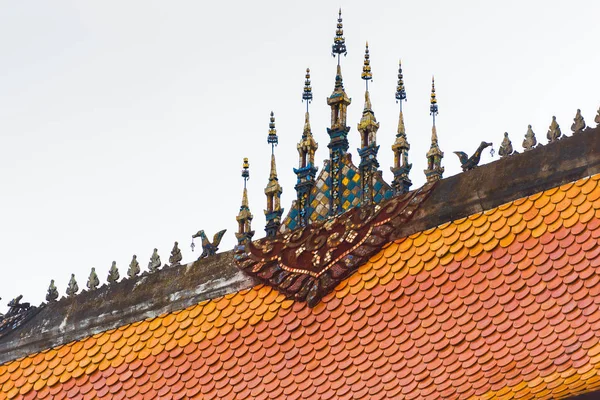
(208, 248)
(468, 163)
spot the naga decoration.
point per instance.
(93, 281)
(208, 248)
(530, 141)
(578, 123)
(176, 256)
(72, 287)
(134, 268)
(308, 263)
(52, 293)
(506, 147)
(468, 163)
(113, 273)
(154, 263)
(554, 132)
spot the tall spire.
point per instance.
(339, 42)
(273, 190)
(434, 169)
(401, 168)
(306, 170)
(368, 127)
(244, 217)
(338, 132)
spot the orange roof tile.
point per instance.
(502, 304)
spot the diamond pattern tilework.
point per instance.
(503, 304)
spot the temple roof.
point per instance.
(489, 291)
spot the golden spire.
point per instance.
(434, 169)
(272, 139)
(244, 217)
(366, 74)
(339, 42)
(307, 94)
(402, 167)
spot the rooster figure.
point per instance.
(468, 163)
(208, 248)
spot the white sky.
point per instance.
(123, 124)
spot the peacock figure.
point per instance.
(208, 248)
(468, 163)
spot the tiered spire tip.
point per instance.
(339, 42)
(307, 93)
(366, 74)
(272, 139)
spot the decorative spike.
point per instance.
(366, 74)
(400, 90)
(506, 148)
(339, 42)
(176, 256)
(244, 217)
(597, 119)
(434, 169)
(530, 141)
(134, 268)
(578, 123)
(113, 273)
(433, 108)
(52, 293)
(307, 94)
(554, 132)
(155, 262)
(93, 280)
(272, 139)
(72, 288)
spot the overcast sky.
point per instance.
(123, 124)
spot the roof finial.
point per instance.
(366, 74)
(307, 94)
(113, 273)
(530, 141)
(433, 108)
(578, 123)
(93, 280)
(272, 139)
(72, 288)
(339, 42)
(244, 217)
(554, 132)
(400, 90)
(52, 293)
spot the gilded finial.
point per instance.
(272, 139)
(578, 123)
(307, 94)
(52, 293)
(93, 280)
(433, 108)
(366, 74)
(554, 132)
(400, 90)
(530, 141)
(113, 273)
(339, 42)
(72, 288)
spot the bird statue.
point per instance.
(468, 163)
(208, 248)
